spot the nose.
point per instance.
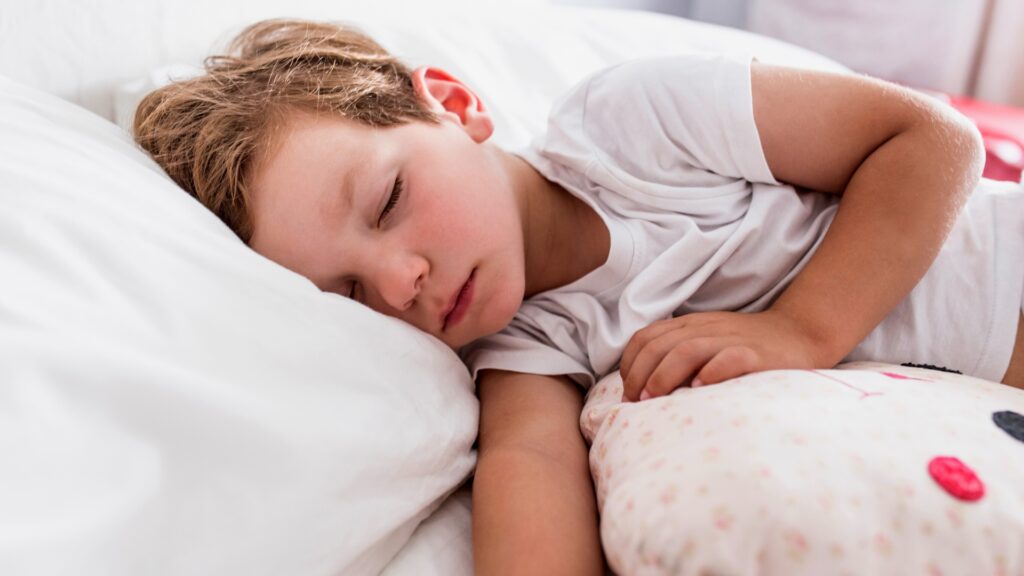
(400, 279)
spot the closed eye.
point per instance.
(396, 194)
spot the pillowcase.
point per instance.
(172, 402)
(865, 469)
(443, 544)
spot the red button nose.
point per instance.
(956, 478)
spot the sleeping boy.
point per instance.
(685, 220)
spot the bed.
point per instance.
(172, 403)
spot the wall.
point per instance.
(921, 43)
(1000, 74)
(964, 47)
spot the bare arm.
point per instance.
(904, 164)
(534, 509)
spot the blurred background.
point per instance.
(959, 47)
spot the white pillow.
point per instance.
(810, 472)
(442, 545)
(173, 403)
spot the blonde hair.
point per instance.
(207, 132)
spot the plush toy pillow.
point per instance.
(866, 469)
(172, 402)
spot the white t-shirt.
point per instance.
(666, 151)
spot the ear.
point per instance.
(452, 99)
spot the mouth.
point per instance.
(459, 304)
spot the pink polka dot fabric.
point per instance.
(866, 469)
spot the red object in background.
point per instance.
(1002, 128)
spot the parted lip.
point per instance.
(454, 301)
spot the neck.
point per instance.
(563, 237)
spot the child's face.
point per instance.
(317, 205)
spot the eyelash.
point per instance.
(396, 195)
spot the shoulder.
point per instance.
(675, 120)
(639, 73)
(650, 78)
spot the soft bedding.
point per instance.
(174, 404)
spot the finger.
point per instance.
(730, 362)
(643, 337)
(679, 365)
(676, 366)
(646, 360)
(660, 327)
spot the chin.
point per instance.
(500, 314)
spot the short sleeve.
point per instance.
(520, 348)
(678, 121)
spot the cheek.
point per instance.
(467, 215)
(503, 296)
(469, 207)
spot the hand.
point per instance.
(709, 347)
